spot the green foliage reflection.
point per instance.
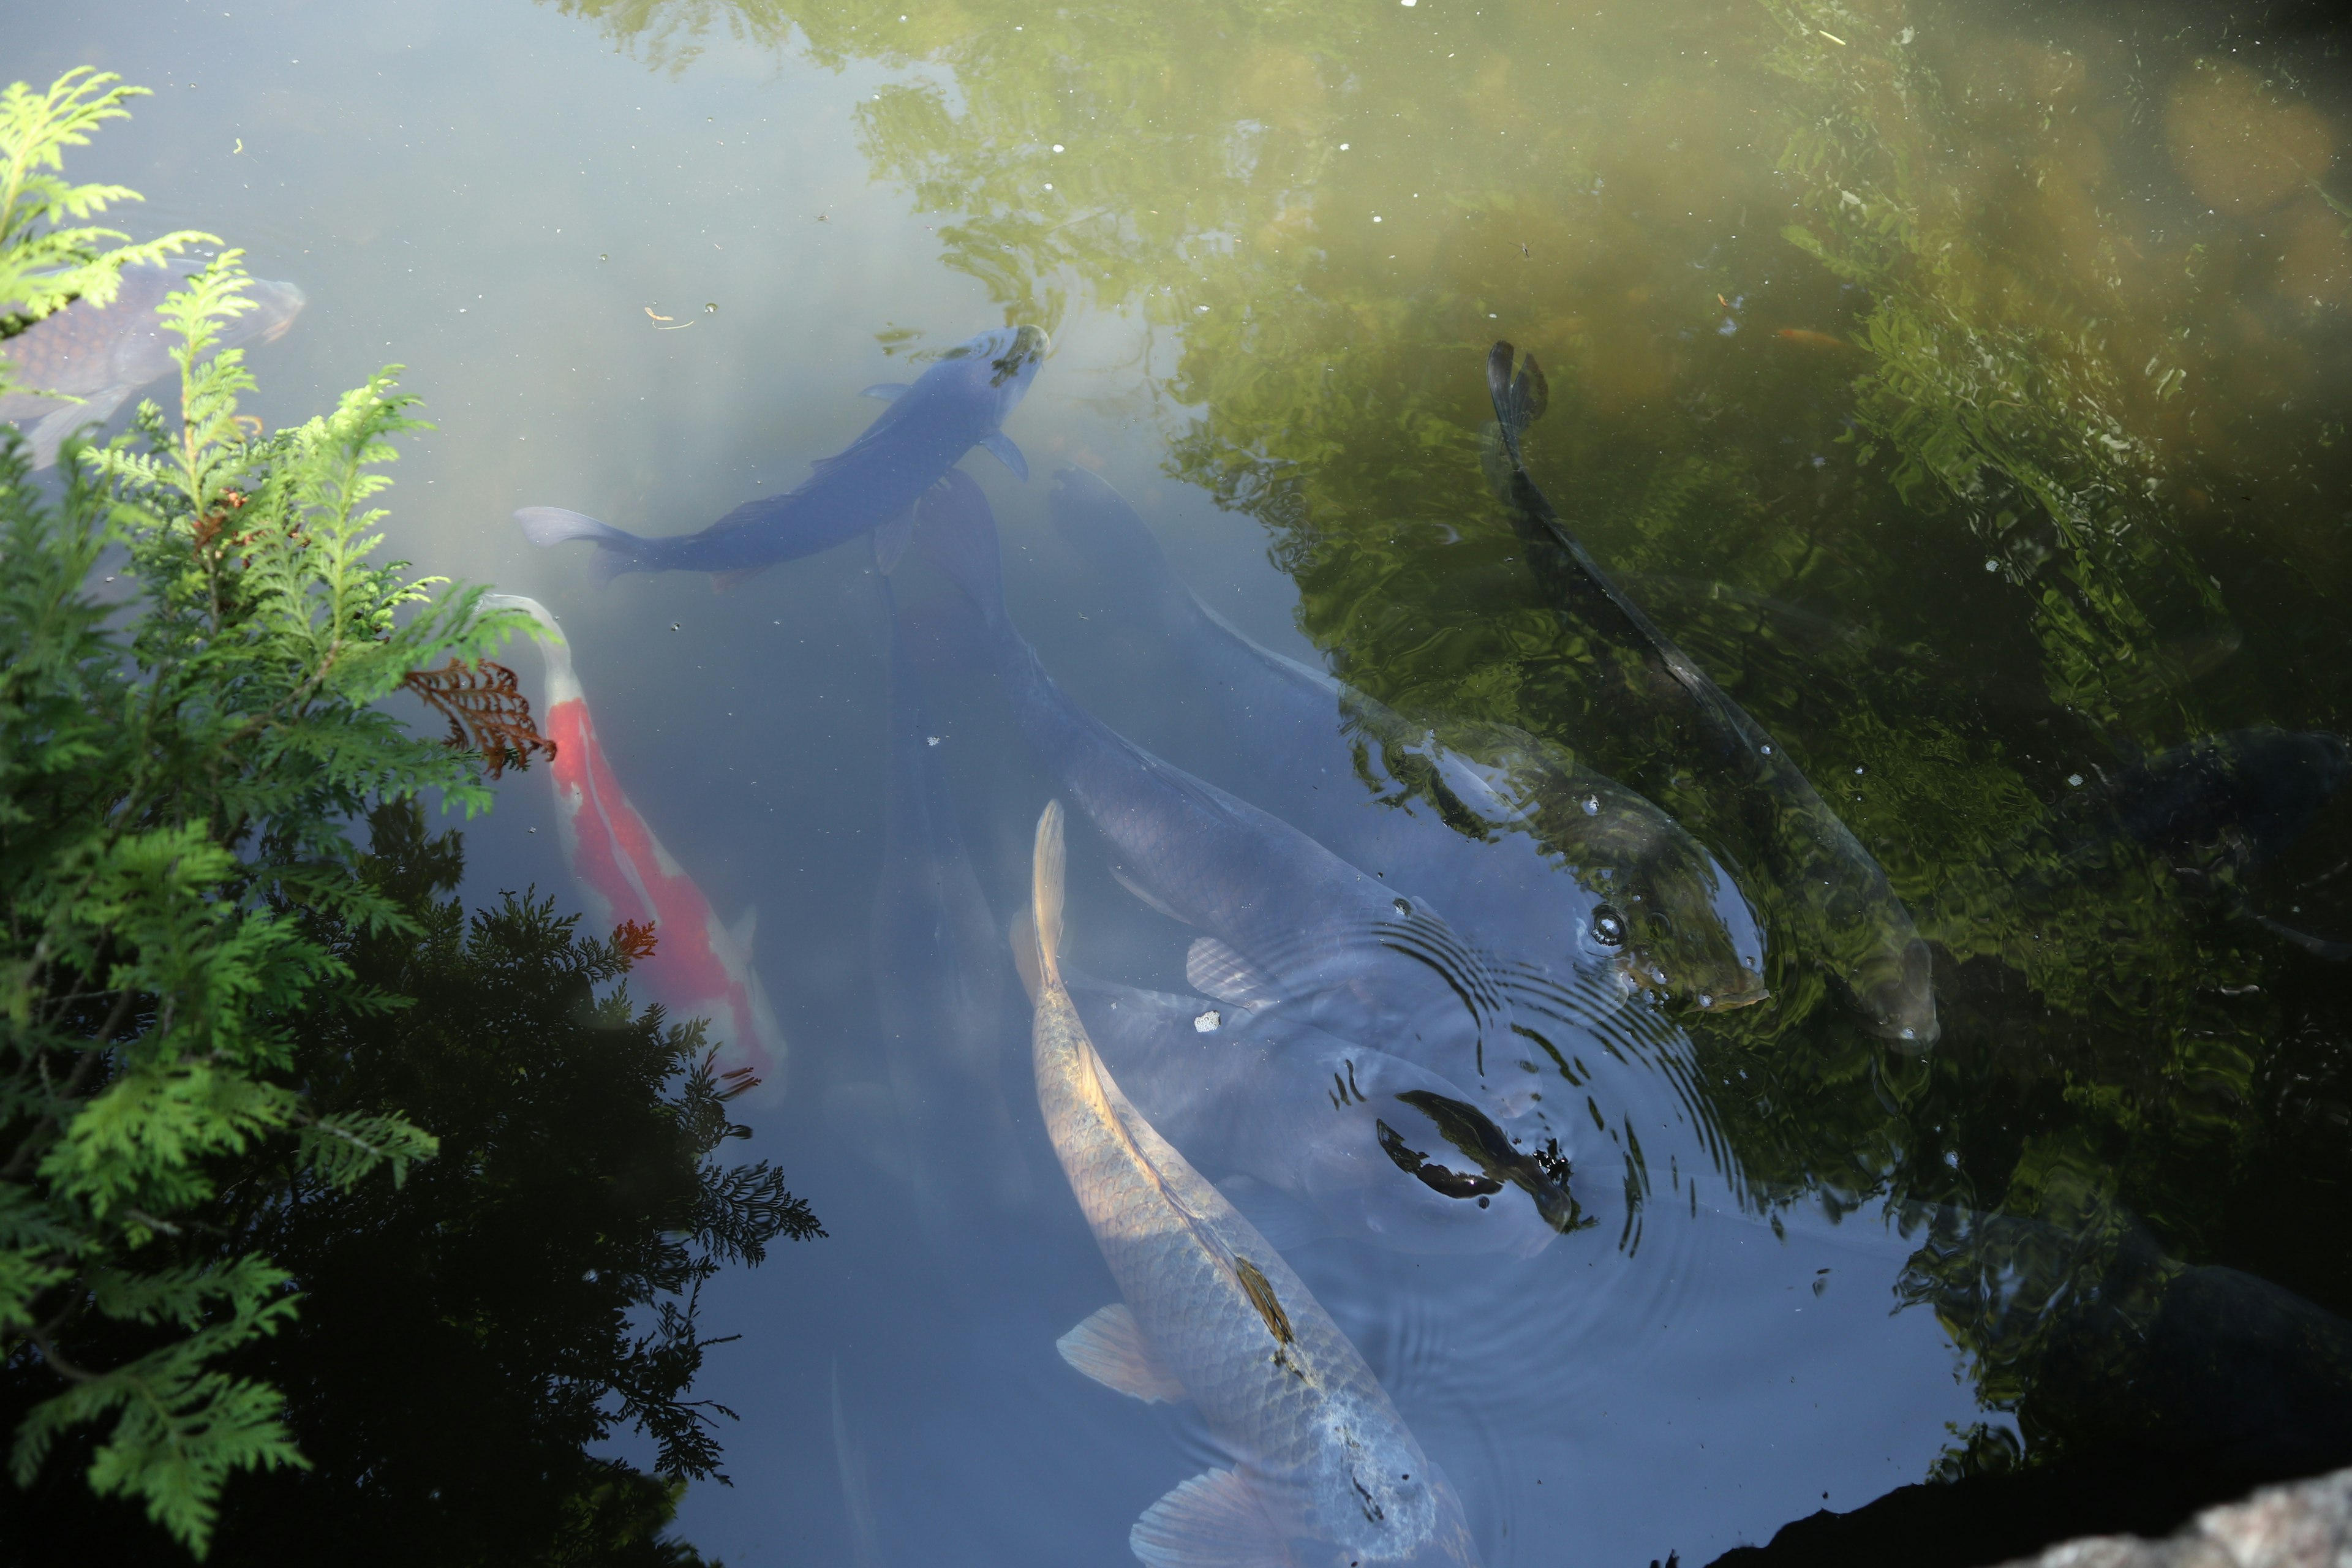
(1956, 387)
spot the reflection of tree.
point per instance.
(527, 1292)
(1957, 352)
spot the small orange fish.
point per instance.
(1806, 338)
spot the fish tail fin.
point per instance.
(1045, 895)
(958, 531)
(1519, 398)
(618, 552)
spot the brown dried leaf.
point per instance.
(486, 711)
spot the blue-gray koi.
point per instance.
(957, 404)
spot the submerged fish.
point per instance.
(1324, 1470)
(1285, 919)
(104, 354)
(939, 971)
(1865, 934)
(1376, 1146)
(957, 404)
(2214, 807)
(1553, 865)
(700, 968)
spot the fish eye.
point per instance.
(1608, 927)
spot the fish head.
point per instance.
(998, 365)
(1897, 996)
(1669, 918)
(278, 304)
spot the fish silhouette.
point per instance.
(1324, 1470)
(700, 968)
(960, 403)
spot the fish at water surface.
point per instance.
(1285, 919)
(960, 403)
(1553, 867)
(1325, 1471)
(700, 968)
(1860, 927)
(1374, 1146)
(102, 356)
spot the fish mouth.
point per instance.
(1744, 990)
(1029, 347)
(1902, 1009)
(290, 299)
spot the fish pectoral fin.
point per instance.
(1215, 970)
(890, 541)
(1149, 901)
(1000, 447)
(1217, 1520)
(887, 391)
(49, 435)
(1109, 1347)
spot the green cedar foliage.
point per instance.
(176, 775)
(48, 258)
(464, 1335)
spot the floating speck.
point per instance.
(1058, 146)
(1993, 565)
(1376, 217)
(930, 740)
(602, 257)
(1768, 751)
(1592, 806)
(1705, 1000)
(2075, 780)
(674, 626)
(710, 307)
(1343, 146)
(1208, 1022)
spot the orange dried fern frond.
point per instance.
(485, 710)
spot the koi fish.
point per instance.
(1324, 1470)
(101, 355)
(957, 404)
(1554, 866)
(700, 968)
(1864, 935)
(1286, 920)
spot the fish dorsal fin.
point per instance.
(721, 582)
(1000, 447)
(1148, 899)
(887, 391)
(1215, 970)
(1109, 1347)
(740, 932)
(1213, 1520)
(891, 540)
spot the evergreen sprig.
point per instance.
(172, 801)
(48, 258)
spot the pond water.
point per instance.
(1961, 388)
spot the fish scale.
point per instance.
(1324, 1453)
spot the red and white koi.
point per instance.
(700, 968)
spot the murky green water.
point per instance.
(1963, 387)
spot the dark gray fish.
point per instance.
(1865, 934)
(1553, 867)
(1377, 1146)
(1285, 919)
(957, 404)
(103, 355)
(939, 973)
(2212, 809)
